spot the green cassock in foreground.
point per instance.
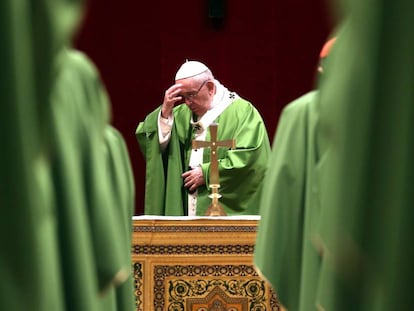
(63, 243)
(241, 170)
(290, 206)
(90, 211)
(123, 190)
(364, 176)
(31, 33)
(367, 118)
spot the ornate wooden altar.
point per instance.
(197, 264)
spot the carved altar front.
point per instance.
(197, 264)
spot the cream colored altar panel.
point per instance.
(197, 264)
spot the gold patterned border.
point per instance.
(195, 249)
(138, 285)
(202, 228)
(195, 280)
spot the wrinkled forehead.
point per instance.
(188, 83)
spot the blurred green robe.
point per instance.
(241, 170)
(285, 253)
(90, 233)
(31, 33)
(367, 197)
(123, 192)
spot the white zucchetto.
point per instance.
(189, 69)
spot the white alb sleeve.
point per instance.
(164, 130)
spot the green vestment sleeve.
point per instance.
(30, 263)
(165, 194)
(163, 185)
(283, 251)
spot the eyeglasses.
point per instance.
(192, 95)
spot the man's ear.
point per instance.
(211, 86)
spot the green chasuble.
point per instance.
(30, 266)
(90, 233)
(284, 252)
(123, 191)
(241, 170)
(367, 197)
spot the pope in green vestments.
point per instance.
(177, 177)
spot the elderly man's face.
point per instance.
(197, 96)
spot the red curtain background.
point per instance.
(266, 51)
